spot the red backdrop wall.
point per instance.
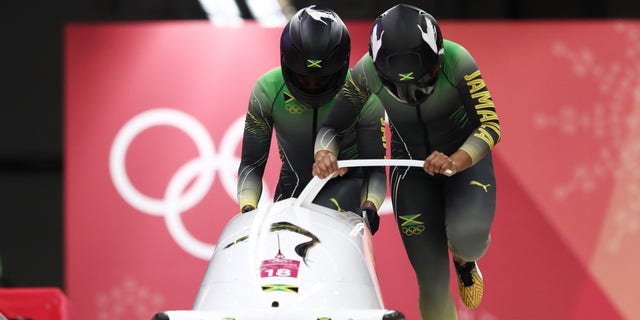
(153, 128)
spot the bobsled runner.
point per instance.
(293, 259)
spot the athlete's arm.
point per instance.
(255, 148)
(480, 109)
(343, 115)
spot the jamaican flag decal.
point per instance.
(280, 287)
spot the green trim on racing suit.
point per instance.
(273, 107)
(437, 213)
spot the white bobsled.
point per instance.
(293, 260)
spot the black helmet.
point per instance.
(315, 44)
(407, 51)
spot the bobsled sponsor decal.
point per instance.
(279, 268)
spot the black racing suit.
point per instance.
(433, 213)
(273, 107)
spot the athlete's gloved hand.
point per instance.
(370, 215)
(247, 208)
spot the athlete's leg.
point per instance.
(470, 208)
(419, 209)
(471, 201)
(342, 194)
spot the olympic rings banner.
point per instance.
(154, 114)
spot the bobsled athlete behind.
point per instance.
(293, 100)
(293, 259)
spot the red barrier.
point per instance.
(33, 304)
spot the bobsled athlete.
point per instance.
(439, 110)
(294, 99)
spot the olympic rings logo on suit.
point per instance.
(201, 170)
(413, 230)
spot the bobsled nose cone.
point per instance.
(160, 316)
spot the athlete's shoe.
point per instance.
(469, 283)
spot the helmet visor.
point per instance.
(413, 93)
(313, 84)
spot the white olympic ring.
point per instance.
(202, 169)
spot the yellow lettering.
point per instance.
(471, 76)
(485, 136)
(484, 108)
(484, 100)
(487, 115)
(492, 126)
(473, 83)
(476, 85)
